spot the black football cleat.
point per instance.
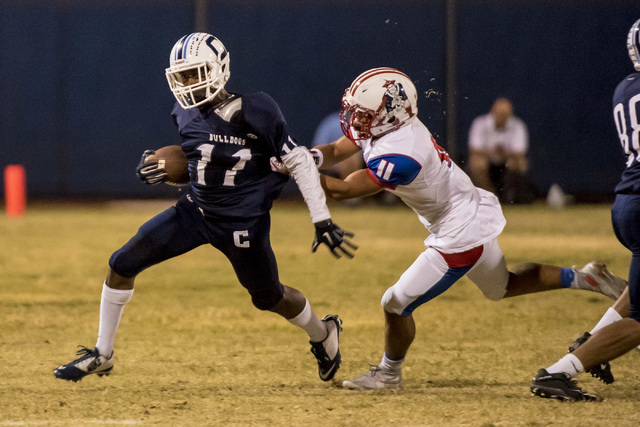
(558, 386)
(327, 352)
(90, 362)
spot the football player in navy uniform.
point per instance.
(240, 155)
(622, 333)
(402, 157)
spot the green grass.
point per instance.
(192, 350)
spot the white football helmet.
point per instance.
(633, 44)
(198, 69)
(378, 101)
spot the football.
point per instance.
(174, 161)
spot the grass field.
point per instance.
(192, 350)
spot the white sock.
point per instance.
(609, 317)
(308, 321)
(111, 307)
(390, 365)
(569, 364)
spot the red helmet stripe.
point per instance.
(371, 73)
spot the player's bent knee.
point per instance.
(493, 289)
(123, 265)
(391, 303)
(266, 302)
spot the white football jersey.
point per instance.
(409, 163)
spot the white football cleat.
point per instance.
(595, 277)
(376, 378)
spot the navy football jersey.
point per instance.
(626, 113)
(229, 158)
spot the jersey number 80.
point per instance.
(632, 151)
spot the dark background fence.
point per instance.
(83, 91)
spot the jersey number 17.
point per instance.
(206, 150)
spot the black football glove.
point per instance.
(150, 172)
(334, 237)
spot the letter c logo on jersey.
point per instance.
(239, 236)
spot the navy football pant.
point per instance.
(183, 227)
(625, 216)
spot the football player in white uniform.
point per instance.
(379, 117)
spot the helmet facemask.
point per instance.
(633, 45)
(194, 84)
(356, 121)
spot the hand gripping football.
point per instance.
(174, 161)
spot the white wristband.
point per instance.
(318, 158)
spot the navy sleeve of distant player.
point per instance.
(263, 115)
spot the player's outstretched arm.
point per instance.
(327, 155)
(357, 184)
(302, 168)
